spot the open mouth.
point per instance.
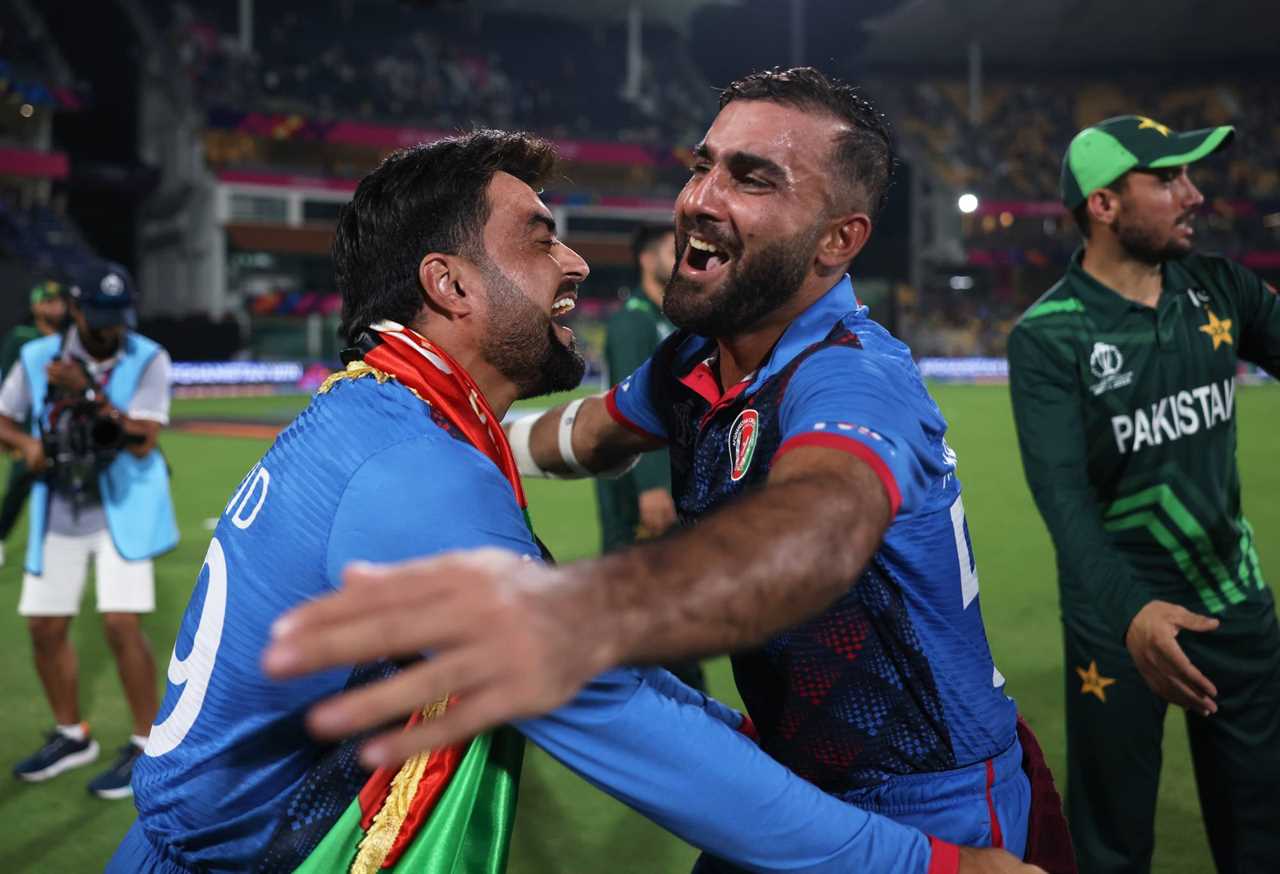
(566, 301)
(703, 258)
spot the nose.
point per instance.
(1191, 195)
(573, 265)
(702, 198)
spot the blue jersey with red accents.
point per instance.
(895, 678)
(231, 781)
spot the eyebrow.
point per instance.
(742, 163)
(539, 219)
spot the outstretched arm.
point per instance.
(514, 639)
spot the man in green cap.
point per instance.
(48, 313)
(639, 504)
(1123, 382)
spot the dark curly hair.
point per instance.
(862, 156)
(426, 198)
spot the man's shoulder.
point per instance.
(1057, 307)
(1209, 273)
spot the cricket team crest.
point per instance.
(742, 442)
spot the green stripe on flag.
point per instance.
(468, 831)
(1163, 497)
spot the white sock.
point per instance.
(139, 741)
(74, 732)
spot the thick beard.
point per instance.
(521, 341)
(755, 287)
(1144, 244)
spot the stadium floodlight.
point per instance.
(967, 203)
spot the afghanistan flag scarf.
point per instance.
(445, 811)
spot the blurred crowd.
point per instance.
(441, 69)
(1015, 149)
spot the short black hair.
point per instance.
(1081, 211)
(645, 237)
(863, 156)
(426, 198)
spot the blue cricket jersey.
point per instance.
(230, 779)
(896, 678)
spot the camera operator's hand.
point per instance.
(68, 376)
(33, 454)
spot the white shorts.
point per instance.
(123, 586)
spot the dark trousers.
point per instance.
(1115, 727)
(15, 495)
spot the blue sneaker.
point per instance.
(59, 753)
(115, 782)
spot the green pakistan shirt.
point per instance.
(631, 335)
(1126, 421)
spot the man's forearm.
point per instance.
(598, 443)
(748, 572)
(1085, 550)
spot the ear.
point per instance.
(1103, 205)
(843, 240)
(443, 286)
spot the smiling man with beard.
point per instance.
(451, 276)
(825, 544)
(1123, 382)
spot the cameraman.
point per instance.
(97, 396)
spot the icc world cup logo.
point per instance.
(1105, 360)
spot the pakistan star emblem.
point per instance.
(1093, 683)
(1219, 330)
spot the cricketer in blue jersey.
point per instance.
(824, 542)
(401, 456)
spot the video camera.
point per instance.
(81, 440)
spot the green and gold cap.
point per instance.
(45, 290)
(1101, 154)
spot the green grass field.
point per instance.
(563, 824)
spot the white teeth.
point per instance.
(702, 245)
(562, 306)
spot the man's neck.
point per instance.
(1133, 280)
(45, 327)
(498, 391)
(743, 353)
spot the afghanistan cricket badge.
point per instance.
(742, 442)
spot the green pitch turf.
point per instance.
(563, 824)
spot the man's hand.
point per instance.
(508, 646)
(1152, 642)
(68, 376)
(33, 456)
(657, 511)
(993, 861)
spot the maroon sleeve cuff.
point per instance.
(856, 448)
(944, 858)
(611, 404)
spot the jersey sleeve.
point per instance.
(629, 341)
(447, 496)
(630, 404)
(1259, 307)
(678, 757)
(1047, 413)
(151, 400)
(15, 394)
(841, 398)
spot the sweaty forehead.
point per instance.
(512, 203)
(798, 140)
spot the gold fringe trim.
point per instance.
(386, 825)
(357, 369)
